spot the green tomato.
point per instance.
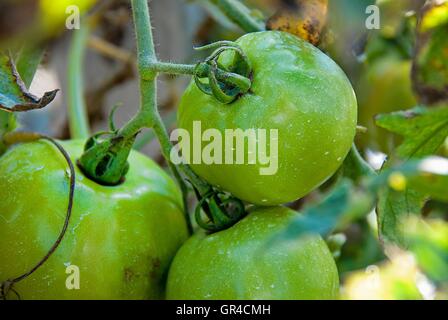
(121, 238)
(296, 90)
(385, 86)
(242, 263)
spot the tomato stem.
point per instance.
(172, 68)
(79, 125)
(148, 67)
(148, 115)
(106, 161)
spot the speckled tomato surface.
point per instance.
(242, 262)
(121, 238)
(296, 90)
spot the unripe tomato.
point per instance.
(243, 262)
(296, 90)
(385, 86)
(121, 238)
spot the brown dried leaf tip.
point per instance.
(303, 18)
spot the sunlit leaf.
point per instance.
(397, 202)
(347, 202)
(433, 180)
(391, 280)
(435, 15)
(428, 240)
(393, 206)
(424, 129)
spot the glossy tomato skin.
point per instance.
(297, 90)
(122, 238)
(239, 263)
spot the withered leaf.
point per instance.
(14, 96)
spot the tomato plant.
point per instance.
(244, 262)
(315, 131)
(122, 238)
(268, 183)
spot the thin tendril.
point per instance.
(111, 121)
(7, 285)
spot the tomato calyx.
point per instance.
(226, 84)
(221, 209)
(105, 161)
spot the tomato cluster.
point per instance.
(307, 98)
(123, 238)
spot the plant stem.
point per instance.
(239, 14)
(148, 115)
(173, 68)
(79, 127)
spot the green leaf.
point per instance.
(403, 192)
(14, 96)
(355, 167)
(424, 129)
(393, 206)
(396, 201)
(345, 203)
(28, 61)
(433, 180)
